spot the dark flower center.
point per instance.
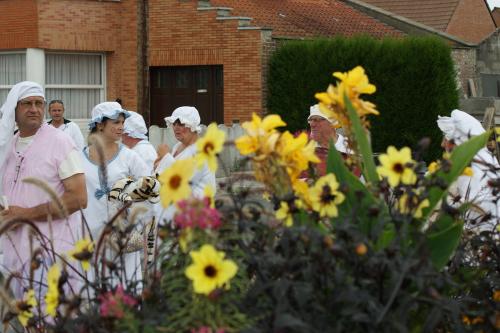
(208, 148)
(398, 168)
(210, 271)
(175, 182)
(326, 195)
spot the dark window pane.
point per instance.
(202, 78)
(182, 78)
(219, 78)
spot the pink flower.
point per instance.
(196, 213)
(114, 304)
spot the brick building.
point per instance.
(468, 20)
(159, 54)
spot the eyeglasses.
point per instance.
(36, 103)
(315, 120)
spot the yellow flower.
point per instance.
(406, 207)
(283, 213)
(325, 197)
(261, 135)
(296, 153)
(433, 167)
(356, 81)
(29, 302)
(394, 166)
(209, 192)
(83, 250)
(468, 172)
(52, 295)
(209, 146)
(352, 84)
(209, 270)
(175, 181)
(301, 189)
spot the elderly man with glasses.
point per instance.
(42, 152)
(324, 129)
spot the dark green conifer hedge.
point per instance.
(415, 80)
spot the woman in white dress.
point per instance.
(185, 122)
(457, 129)
(121, 162)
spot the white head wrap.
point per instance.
(135, 126)
(459, 127)
(8, 112)
(316, 111)
(188, 116)
(110, 110)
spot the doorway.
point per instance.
(198, 86)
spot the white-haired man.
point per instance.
(324, 130)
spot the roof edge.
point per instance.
(403, 23)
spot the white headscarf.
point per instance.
(188, 116)
(110, 110)
(8, 113)
(460, 127)
(316, 111)
(135, 126)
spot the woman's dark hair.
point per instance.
(94, 129)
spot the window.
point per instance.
(491, 85)
(77, 80)
(12, 71)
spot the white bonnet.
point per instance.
(316, 111)
(188, 116)
(460, 126)
(111, 110)
(135, 126)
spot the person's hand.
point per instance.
(162, 150)
(15, 212)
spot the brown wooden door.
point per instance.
(198, 86)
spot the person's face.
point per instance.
(127, 140)
(321, 128)
(182, 132)
(447, 145)
(111, 129)
(29, 113)
(56, 112)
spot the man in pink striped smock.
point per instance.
(40, 151)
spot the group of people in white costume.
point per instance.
(118, 148)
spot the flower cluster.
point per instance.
(114, 304)
(351, 85)
(198, 213)
(279, 158)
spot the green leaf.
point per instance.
(364, 147)
(443, 243)
(460, 158)
(353, 190)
